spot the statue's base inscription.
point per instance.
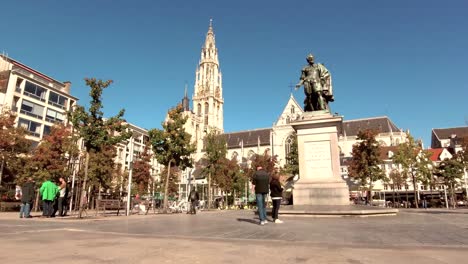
(320, 181)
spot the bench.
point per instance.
(110, 204)
(7, 206)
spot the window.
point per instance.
(292, 109)
(47, 130)
(288, 144)
(19, 81)
(35, 91)
(57, 100)
(32, 109)
(33, 128)
(207, 109)
(54, 116)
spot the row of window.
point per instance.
(33, 128)
(399, 187)
(37, 111)
(40, 93)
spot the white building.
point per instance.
(38, 99)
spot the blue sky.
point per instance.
(403, 59)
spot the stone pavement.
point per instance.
(235, 237)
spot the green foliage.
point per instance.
(96, 131)
(171, 145)
(415, 163)
(450, 172)
(292, 159)
(267, 162)
(102, 167)
(365, 161)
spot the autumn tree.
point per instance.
(171, 145)
(397, 180)
(142, 169)
(415, 163)
(365, 162)
(51, 159)
(96, 131)
(102, 167)
(215, 152)
(13, 142)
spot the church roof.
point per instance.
(381, 124)
(248, 138)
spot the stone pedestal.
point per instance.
(320, 181)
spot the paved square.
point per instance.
(235, 237)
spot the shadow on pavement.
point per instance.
(251, 221)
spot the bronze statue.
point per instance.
(317, 86)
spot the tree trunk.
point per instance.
(1, 170)
(166, 186)
(83, 187)
(454, 202)
(394, 194)
(416, 198)
(370, 193)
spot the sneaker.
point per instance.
(277, 221)
(262, 222)
(266, 221)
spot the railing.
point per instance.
(34, 96)
(18, 89)
(57, 105)
(35, 134)
(31, 114)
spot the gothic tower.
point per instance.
(208, 91)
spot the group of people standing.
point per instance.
(265, 184)
(54, 198)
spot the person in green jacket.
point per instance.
(48, 193)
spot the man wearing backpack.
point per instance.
(193, 198)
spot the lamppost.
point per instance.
(75, 162)
(130, 167)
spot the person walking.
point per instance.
(48, 192)
(276, 193)
(27, 198)
(193, 198)
(261, 180)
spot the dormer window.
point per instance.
(292, 109)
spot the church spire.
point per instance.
(208, 91)
(185, 100)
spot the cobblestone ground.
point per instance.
(236, 237)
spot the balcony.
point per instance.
(18, 89)
(57, 105)
(34, 96)
(34, 134)
(31, 114)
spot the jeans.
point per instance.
(276, 206)
(193, 207)
(48, 208)
(261, 205)
(62, 206)
(25, 210)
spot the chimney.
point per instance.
(66, 89)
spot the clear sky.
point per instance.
(403, 59)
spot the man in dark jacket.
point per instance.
(261, 180)
(27, 198)
(193, 197)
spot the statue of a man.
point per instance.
(317, 86)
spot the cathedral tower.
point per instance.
(208, 91)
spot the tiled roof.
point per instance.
(446, 133)
(381, 124)
(249, 138)
(435, 153)
(384, 151)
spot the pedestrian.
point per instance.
(193, 198)
(261, 180)
(48, 192)
(424, 203)
(27, 198)
(62, 199)
(276, 193)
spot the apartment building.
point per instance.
(38, 100)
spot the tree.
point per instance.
(451, 172)
(365, 162)
(415, 163)
(397, 179)
(142, 170)
(292, 158)
(215, 151)
(96, 131)
(51, 159)
(171, 145)
(12, 141)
